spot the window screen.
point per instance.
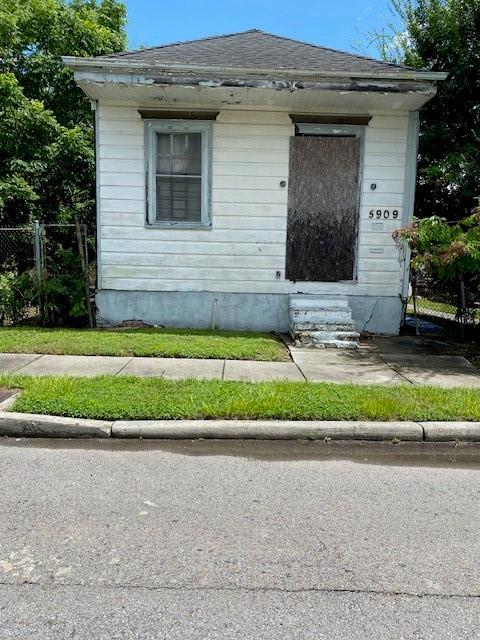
(179, 177)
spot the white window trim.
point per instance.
(152, 127)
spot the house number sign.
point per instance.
(383, 214)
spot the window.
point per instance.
(178, 164)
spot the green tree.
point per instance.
(442, 35)
(46, 124)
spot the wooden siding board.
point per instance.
(249, 169)
(247, 209)
(239, 181)
(245, 155)
(128, 179)
(188, 247)
(203, 235)
(258, 261)
(250, 196)
(269, 143)
(139, 284)
(121, 152)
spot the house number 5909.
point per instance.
(383, 213)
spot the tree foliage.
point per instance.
(442, 250)
(442, 35)
(46, 125)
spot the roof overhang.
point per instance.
(220, 86)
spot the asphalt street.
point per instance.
(252, 540)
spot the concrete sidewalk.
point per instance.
(371, 364)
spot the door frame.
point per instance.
(343, 130)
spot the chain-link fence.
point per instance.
(46, 275)
(443, 307)
(19, 297)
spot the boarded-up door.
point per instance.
(322, 208)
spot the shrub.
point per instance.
(17, 293)
(444, 250)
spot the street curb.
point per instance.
(267, 430)
(42, 426)
(448, 431)
(45, 426)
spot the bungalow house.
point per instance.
(251, 181)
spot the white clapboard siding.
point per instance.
(373, 159)
(378, 200)
(384, 186)
(121, 152)
(380, 226)
(379, 265)
(389, 122)
(249, 169)
(152, 284)
(377, 174)
(130, 165)
(255, 117)
(370, 250)
(122, 139)
(121, 192)
(117, 179)
(118, 113)
(114, 205)
(201, 235)
(386, 147)
(386, 135)
(379, 277)
(191, 273)
(259, 261)
(246, 245)
(174, 247)
(254, 222)
(131, 219)
(239, 181)
(261, 155)
(265, 209)
(120, 126)
(221, 222)
(250, 196)
(277, 131)
(270, 143)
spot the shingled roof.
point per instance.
(255, 49)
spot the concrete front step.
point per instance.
(305, 301)
(321, 318)
(303, 342)
(316, 321)
(331, 335)
(339, 339)
(322, 326)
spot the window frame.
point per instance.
(152, 127)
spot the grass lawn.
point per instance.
(111, 397)
(432, 306)
(168, 343)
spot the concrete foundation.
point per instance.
(249, 311)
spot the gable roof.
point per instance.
(256, 49)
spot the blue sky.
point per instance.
(333, 23)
